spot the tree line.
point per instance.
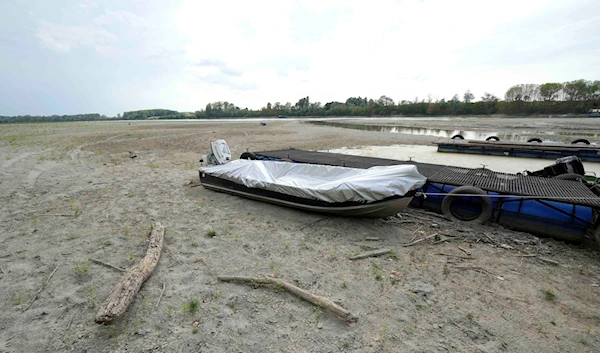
(574, 97)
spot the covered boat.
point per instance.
(380, 191)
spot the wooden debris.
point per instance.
(41, 289)
(416, 230)
(420, 240)
(161, 294)
(54, 215)
(370, 254)
(457, 256)
(372, 239)
(552, 262)
(1, 270)
(124, 293)
(464, 250)
(315, 299)
(132, 154)
(506, 246)
(108, 265)
(475, 268)
(490, 238)
(317, 221)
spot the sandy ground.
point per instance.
(70, 192)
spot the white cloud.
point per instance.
(64, 38)
(110, 17)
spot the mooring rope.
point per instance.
(426, 194)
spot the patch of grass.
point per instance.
(153, 166)
(318, 312)
(18, 299)
(81, 267)
(91, 298)
(194, 330)
(191, 306)
(470, 316)
(553, 322)
(446, 271)
(344, 285)
(72, 236)
(378, 276)
(210, 234)
(231, 305)
(131, 257)
(217, 294)
(393, 255)
(583, 341)
(108, 243)
(549, 295)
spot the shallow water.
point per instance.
(513, 135)
(429, 154)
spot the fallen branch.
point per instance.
(41, 289)
(311, 223)
(124, 293)
(416, 230)
(465, 250)
(370, 254)
(490, 238)
(315, 299)
(1, 270)
(54, 215)
(420, 240)
(474, 268)
(108, 265)
(372, 239)
(457, 256)
(161, 294)
(552, 262)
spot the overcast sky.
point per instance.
(110, 56)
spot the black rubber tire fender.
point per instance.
(486, 204)
(458, 136)
(492, 138)
(581, 141)
(535, 139)
(248, 155)
(570, 176)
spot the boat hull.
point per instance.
(379, 209)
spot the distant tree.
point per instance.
(385, 101)
(550, 91)
(489, 102)
(468, 97)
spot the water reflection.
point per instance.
(518, 136)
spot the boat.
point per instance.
(380, 191)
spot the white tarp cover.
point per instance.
(321, 182)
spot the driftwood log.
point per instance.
(124, 293)
(370, 254)
(315, 299)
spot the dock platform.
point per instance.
(586, 152)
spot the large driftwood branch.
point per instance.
(124, 293)
(315, 299)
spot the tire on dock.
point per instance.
(248, 155)
(581, 141)
(492, 138)
(458, 136)
(484, 199)
(535, 139)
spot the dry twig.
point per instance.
(464, 250)
(370, 254)
(420, 240)
(108, 265)
(161, 294)
(311, 223)
(315, 299)
(41, 289)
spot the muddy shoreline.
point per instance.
(70, 192)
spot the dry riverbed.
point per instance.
(70, 193)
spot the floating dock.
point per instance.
(549, 207)
(586, 152)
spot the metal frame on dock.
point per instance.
(502, 188)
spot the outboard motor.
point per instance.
(219, 153)
(563, 165)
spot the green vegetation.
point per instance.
(191, 306)
(210, 234)
(81, 267)
(549, 295)
(522, 99)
